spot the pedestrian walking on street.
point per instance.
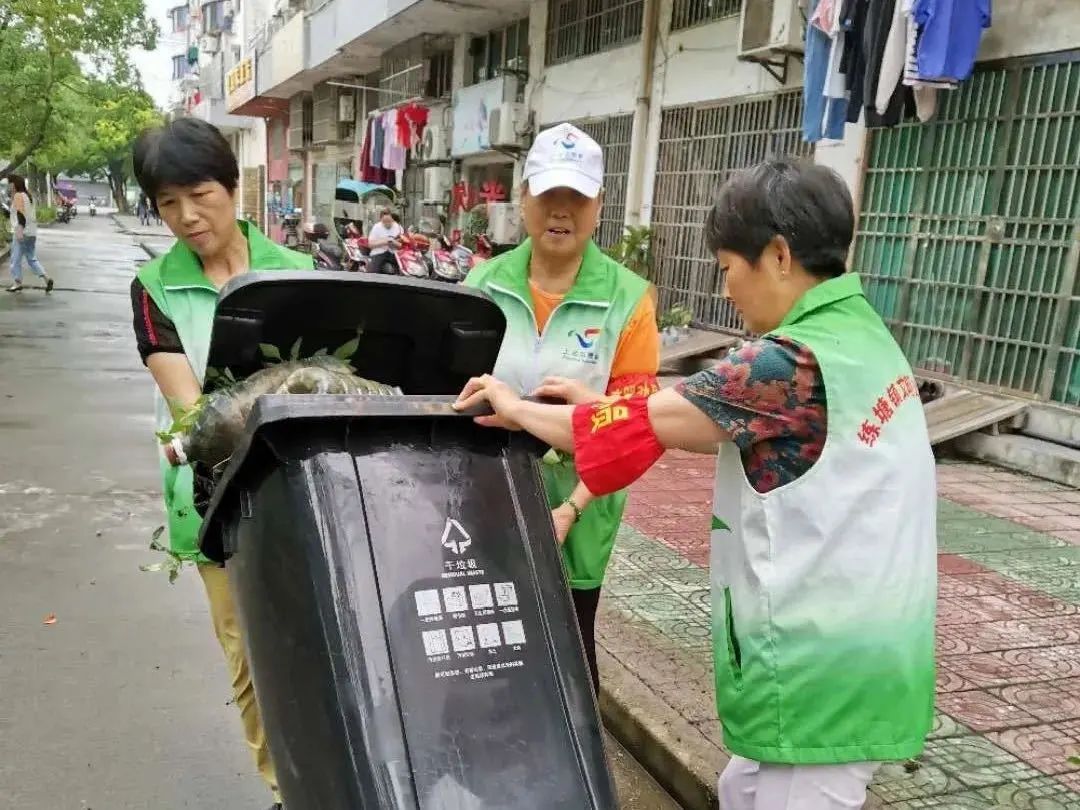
(823, 560)
(142, 208)
(190, 175)
(579, 326)
(24, 235)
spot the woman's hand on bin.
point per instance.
(501, 397)
(566, 390)
(564, 517)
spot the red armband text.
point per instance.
(614, 443)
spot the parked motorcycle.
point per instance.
(327, 256)
(443, 265)
(409, 255)
(357, 254)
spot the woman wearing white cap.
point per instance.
(579, 326)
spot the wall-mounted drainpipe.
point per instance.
(639, 137)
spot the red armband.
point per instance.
(633, 385)
(614, 443)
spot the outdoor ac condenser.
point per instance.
(770, 27)
(504, 125)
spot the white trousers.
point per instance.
(749, 785)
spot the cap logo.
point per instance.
(570, 151)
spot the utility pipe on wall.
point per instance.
(639, 136)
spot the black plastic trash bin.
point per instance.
(410, 632)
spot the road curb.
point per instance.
(674, 751)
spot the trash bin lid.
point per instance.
(426, 337)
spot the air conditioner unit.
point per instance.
(770, 27)
(504, 223)
(210, 43)
(505, 124)
(437, 183)
(346, 106)
(434, 146)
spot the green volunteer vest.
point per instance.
(824, 590)
(176, 283)
(579, 342)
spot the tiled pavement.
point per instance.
(1008, 631)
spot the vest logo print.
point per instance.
(719, 525)
(895, 395)
(583, 346)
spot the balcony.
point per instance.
(281, 62)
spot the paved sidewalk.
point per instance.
(1008, 640)
(153, 239)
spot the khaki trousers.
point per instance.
(227, 629)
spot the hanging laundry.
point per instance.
(394, 152)
(896, 96)
(378, 141)
(412, 120)
(369, 172)
(836, 91)
(950, 32)
(926, 92)
(815, 72)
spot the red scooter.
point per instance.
(409, 255)
(357, 251)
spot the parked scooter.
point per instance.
(327, 255)
(93, 207)
(409, 255)
(357, 251)
(443, 265)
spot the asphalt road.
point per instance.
(113, 693)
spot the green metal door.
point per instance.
(969, 234)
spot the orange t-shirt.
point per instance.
(637, 355)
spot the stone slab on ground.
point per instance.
(1008, 706)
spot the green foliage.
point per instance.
(634, 250)
(172, 563)
(47, 50)
(46, 214)
(476, 223)
(184, 419)
(678, 316)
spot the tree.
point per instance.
(42, 43)
(102, 121)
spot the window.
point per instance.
(180, 18)
(688, 13)
(213, 15)
(578, 28)
(506, 49)
(180, 67)
(440, 75)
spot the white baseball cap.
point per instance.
(565, 157)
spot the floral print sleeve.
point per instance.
(769, 395)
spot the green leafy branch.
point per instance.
(678, 316)
(184, 418)
(173, 563)
(272, 354)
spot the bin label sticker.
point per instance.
(480, 596)
(488, 635)
(505, 594)
(455, 599)
(455, 538)
(427, 603)
(435, 642)
(514, 632)
(462, 638)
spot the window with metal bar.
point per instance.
(180, 17)
(506, 49)
(969, 233)
(579, 28)
(700, 146)
(180, 67)
(613, 135)
(687, 13)
(213, 16)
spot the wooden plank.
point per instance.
(699, 342)
(961, 412)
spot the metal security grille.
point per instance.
(969, 235)
(613, 135)
(699, 148)
(687, 13)
(578, 28)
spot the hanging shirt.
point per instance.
(412, 119)
(393, 149)
(950, 35)
(378, 142)
(815, 123)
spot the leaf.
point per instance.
(229, 375)
(323, 352)
(173, 574)
(294, 353)
(269, 351)
(50, 619)
(160, 530)
(153, 567)
(349, 349)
